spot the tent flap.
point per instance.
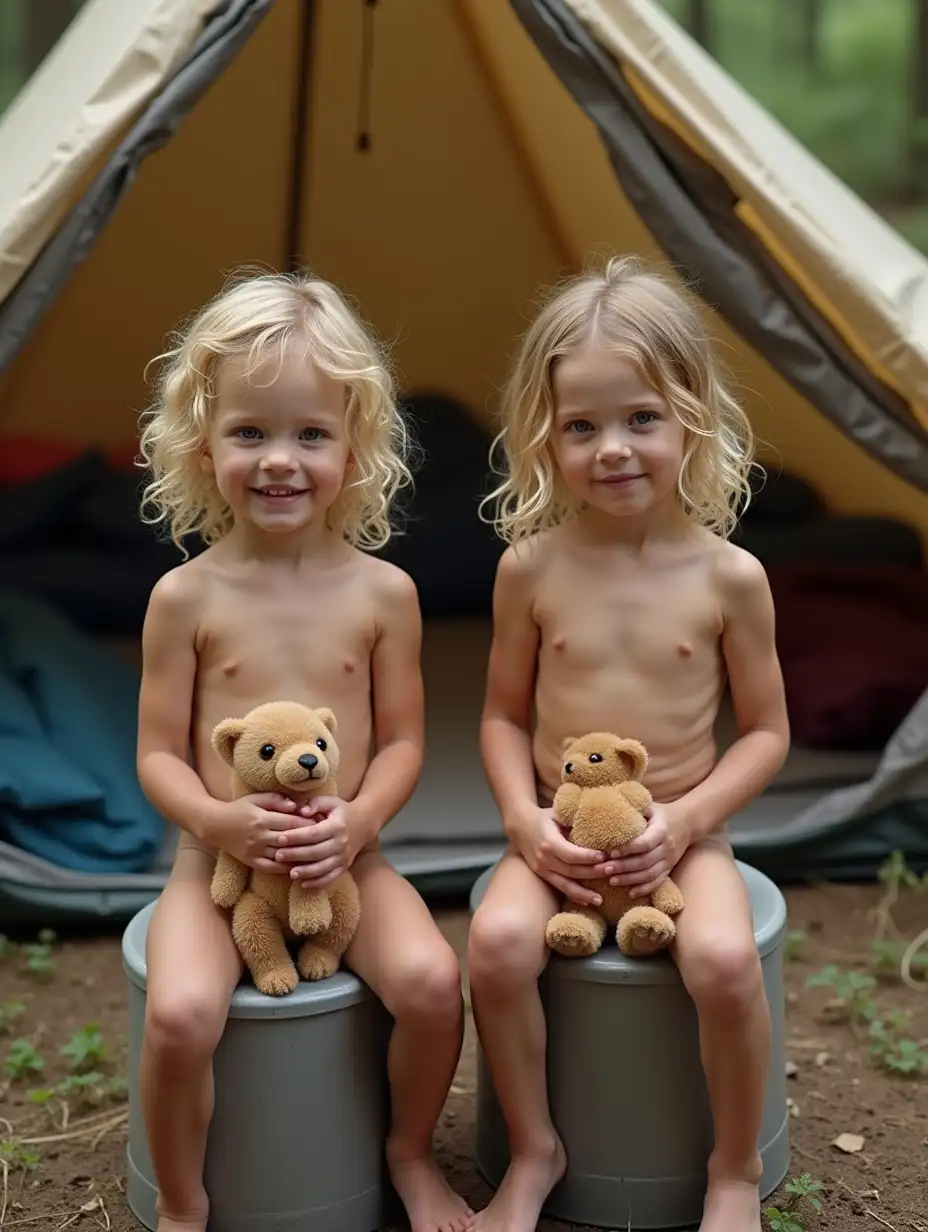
(691, 212)
(223, 36)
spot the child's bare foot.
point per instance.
(431, 1204)
(191, 1223)
(731, 1206)
(517, 1204)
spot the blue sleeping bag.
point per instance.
(69, 791)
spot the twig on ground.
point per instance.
(909, 957)
(85, 1132)
(867, 1211)
(6, 1177)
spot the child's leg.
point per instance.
(193, 968)
(507, 953)
(400, 953)
(716, 953)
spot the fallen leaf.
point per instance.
(792, 1069)
(822, 1058)
(850, 1144)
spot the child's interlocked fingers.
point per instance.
(647, 861)
(557, 860)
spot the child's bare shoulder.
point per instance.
(387, 583)
(739, 576)
(179, 597)
(524, 562)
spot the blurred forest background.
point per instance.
(849, 79)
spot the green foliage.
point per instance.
(786, 1218)
(795, 944)
(893, 1050)
(85, 1050)
(852, 989)
(851, 107)
(22, 1059)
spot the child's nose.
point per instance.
(613, 445)
(275, 460)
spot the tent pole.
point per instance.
(292, 254)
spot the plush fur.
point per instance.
(283, 747)
(602, 802)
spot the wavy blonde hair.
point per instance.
(643, 316)
(259, 317)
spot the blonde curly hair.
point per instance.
(258, 317)
(645, 317)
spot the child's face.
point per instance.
(617, 444)
(277, 444)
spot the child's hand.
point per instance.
(323, 847)
(557, 860)
(251, 828)
(647, 861)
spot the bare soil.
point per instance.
(62, 1164)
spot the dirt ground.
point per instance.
(62, 1158)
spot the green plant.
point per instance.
(85, 1050)
(16, 1154)
(10, 1010)
(39, 960)
(786, 1218)
(895, 1051)
(22, 1059)
(794, 945)
(6, 947)
(852, 990)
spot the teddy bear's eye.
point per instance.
(321, 744)
(594, 757)
(266, 752)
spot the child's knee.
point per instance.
(184, 1026)
(427, 987)
(723, 975)
(502, 949)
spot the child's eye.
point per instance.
(642, 418)
(249, 434)
(579, 426)
(311, 434)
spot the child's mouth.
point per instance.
(279, 494)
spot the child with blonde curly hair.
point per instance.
(277, 438)
(620, 605)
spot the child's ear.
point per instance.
(206, 461)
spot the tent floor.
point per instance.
(449, 832)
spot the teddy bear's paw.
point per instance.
(315, 963)
(643, 931)
(277, 981)
(573, 936)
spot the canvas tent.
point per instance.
(441, 160)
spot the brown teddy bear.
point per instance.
(289, 748)
(602, 802)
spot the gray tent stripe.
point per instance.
(731, 281)
(229, 28)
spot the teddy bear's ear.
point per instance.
(326, 716)
(635, 754)
(224, 737)
(567, 742)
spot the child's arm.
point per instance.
(169, 667)
(742, 773)
(506, 740)
(756, 683)
(340, 828)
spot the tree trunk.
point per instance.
(698, 21)
(811, 14)
(917, 153)
(45, 22)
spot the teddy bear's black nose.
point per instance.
(308, 761)
(569, 768)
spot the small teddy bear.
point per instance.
(602, 802)
(289, 748)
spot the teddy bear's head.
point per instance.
(280, 746)
(600, 759)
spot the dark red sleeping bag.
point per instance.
(853, 642)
